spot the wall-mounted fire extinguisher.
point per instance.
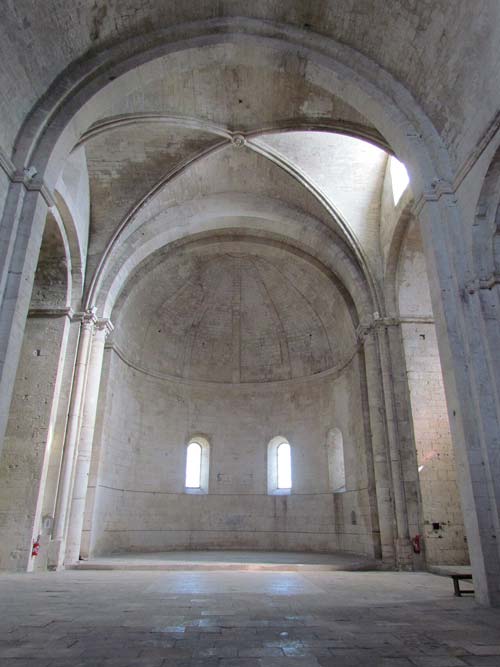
(415, 542)
(36, 547)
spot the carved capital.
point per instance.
(363, 330)
(88, 319)
(477, 284)
(28, 177)
(104, 324)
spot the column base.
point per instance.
(55, 556)
(404, 554)
(388, 556)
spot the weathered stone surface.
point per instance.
(185, 170)
(265, 619)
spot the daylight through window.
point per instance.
(399, 178)
(193, 466)
(284, 466)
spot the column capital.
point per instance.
(477, 284)
(104, 324)
(363, 330)
(88, 318)
(28, 177)
(367, 327)
(439, 188)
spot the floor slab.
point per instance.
(275, 561)
(241, 619)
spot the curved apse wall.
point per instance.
(237, 342)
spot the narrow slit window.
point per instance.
(284, 466)
(193, 466)
(399, 178)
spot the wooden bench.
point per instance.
(456, 584)
(458, 573)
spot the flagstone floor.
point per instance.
(242, 619)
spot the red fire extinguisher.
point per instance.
(416, 544)
(36, 547)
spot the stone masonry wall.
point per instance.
(141, 504)
(25, 453)
(442, 516)
(443, 527)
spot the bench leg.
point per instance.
(456, 586)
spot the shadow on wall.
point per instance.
(442, 518)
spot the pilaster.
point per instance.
(102, 328)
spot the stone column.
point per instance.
(93, 487)
(75, 525)
(21, 230)
(471, 381)
(56, 550)
(381, 461)
(397, 489)
(61, 423)
(402, 447)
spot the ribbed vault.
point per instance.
(137, 184)
(233, 310)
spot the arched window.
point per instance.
(284, 466)
(197, 460)
(279, 466)
(193, 466)
(336, 467)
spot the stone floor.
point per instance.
(242, 619)
(285, 561)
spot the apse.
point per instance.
(231, 361)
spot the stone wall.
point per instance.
(137, 478)
(24, 460)
(23, 464)
(443, 527)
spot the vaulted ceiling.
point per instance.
(139, 173)
(233, 310)
(432, 48)
(199, 118)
